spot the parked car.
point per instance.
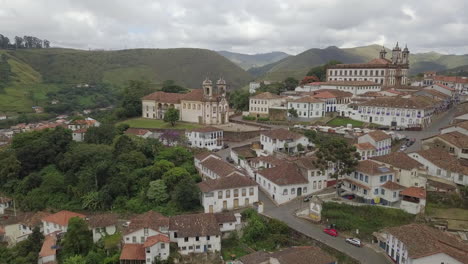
(331, 231)
(308, 198)
(225, 146)
(229, 159)
(349, 196)
(354, 241)
(403, 148)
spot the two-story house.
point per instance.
(283, 140)
(409, 172)
(461, 127)
(211, 166)
(207, 137)
(154, 248)
(307, 107)
(373, 183)
(228, 193)
(366, 150)
(102, 225)
(381, 141)
(296, 255)
(421, 244)
(18, 228)
(455, 143)
(58, 221)
(260, 104)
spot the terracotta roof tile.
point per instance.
(303, 255)
(62, 217)
(357, 183)
(266, 96)
(233, 181)
(137, 131)
(103, 220)
(443, 159)
(48, 246)
(378, 135)
(163, 97)
(390, 185)
(133, 252)
(284, 174)
(462, 124)
(417, 192)
(455, 138)
(336, 93)
(370, 167)
(191, 225)
(414, 102)
(220, 167)
(203, 155)
(205, 129)
(445, 87)
(150, 219)
(227, 217)
(454, 79)
(399, 160)
(324, 95)
(150, 241)
(281, 134)
(422, 240)
(365, 146)
(351, 83)
(307, 99)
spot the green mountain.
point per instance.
(457, 71)
(35, 72)
(297, 66)
(247, 61)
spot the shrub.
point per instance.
(250, 118)
(263, 119)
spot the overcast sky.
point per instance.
(247, 26)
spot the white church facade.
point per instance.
(207, 106)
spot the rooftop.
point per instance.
(378, 135)
(191, 225)
(455, 138)
(307, 99)
(414, 102)
(281, 134)
(220, 167)
(133, 252)
(150, 219)
(417, 192)
(284, 174)
(62, 217)
(206, 129)
(48, 246)
(233, 181)
(443, 159)
(160, 238)
(390, 185)
(364, 146)
(103, 220)
(296, 255)
(399, 160)
(266, 95)
(372, 168)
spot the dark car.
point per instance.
(308, 198)
(349, 196)
(229, 159)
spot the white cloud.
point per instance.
(242, 25)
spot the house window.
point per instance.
(220, 194)
(251, 191)
(163, 245)
(365, 192)
(394, 194)
(184, 248)
(142, 239)
(236, 191)
(366, 178)
(134, 239)
(186, 239)
(382, 191)
(145, 231)
(190, 247)
(304, 190)
(439, 172)
(228, 193)
(209, 246)
(376, 191)
(460, 178)
(451, 150)
(285, 192)
(293, 191)
(361, 177)
(244, 192)
(383, 178)
(197, 238)
(197, 247)
(207, 237)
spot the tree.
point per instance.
(292, 112)
(337, 153)
(78, 240)
(77, 259)
(186, 194)
(157, 192)
(290, 83)
(239, 99)
(321, 71)
(169, 86)
(103, 134)
(131, 99)
(173, 176)
(171, 116)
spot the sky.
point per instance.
(245, 26)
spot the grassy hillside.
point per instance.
(247, 61)
(297, 66)
(35, 72)
(457, 71)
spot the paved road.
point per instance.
(429, 131)
(285, 213)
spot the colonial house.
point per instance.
(307, 107)
(454, 143)
(195, 233)
(58, 221)
(102, 225)
(18, 228)
(83, 123)
(366, 150)
(207, 137)
(421, 244)
(461, 127)
(145, 225)
(213, 167)
(206, 106)
(353, 87)
(415, 111)
(260, 104)
(282, 140)
(296, 255)
(48, 253)
(283, 183)
(228, 193)
(381, 141)
(330, 100)
(154, 248)
(408, 171)
(341, 100)
(441, 164)
(460, 84)
(381, 70)
(373, 183)
(449, 91)
(79, 134)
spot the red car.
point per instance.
(331, 232)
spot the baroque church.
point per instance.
(207, 106)
(386, 72)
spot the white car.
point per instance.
(354, 241)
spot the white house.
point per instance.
(79, 134)
(441, 164)
(58, 222)
(282, 140)
(48, 253)
(381, 141)
(213, 167)
(207, 137)
(330, 100)
(307, 107)
(413, 200)
(459, 83)
(143, 226)
(155, 247)
(443, 89)
(283, 183)
(408, 171)
(83, 123)
(373, 183)
(18, 228)
(421, 244)
(415, 111)
(195, 233)
(228, 193)
(102, 225)
(366, 150)
(353, 87)
(260, 104)
(455, 143)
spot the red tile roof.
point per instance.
(137, 131)
(150, 241)
(133, 252)
(392, 186)
(325, 95)
(233, 181)
(284, 174)
(191, 225)
(454, 79)
(307, 99)
(365, 146)
(62, 217)
(417, 192)
(399, 160)
(150, 219)
(357, 184)
(370, 167)
(48, 246)
(378, 135)
(445, 87)
(220, 167)
(163, 97)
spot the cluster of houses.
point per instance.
(375, 92)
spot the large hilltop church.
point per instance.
(386, 72)
(207, 106)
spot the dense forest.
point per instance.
(26, 42)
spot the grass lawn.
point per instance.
(234, 248)
(367, 218)
(156, 123)
(343, 121)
